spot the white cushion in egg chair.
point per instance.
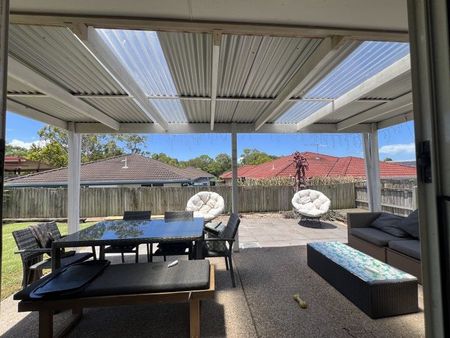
(311, 203)
(206, 204)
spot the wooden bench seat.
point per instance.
(128, 284)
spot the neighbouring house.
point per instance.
(320, 165)
(16, 166)
(125, 170)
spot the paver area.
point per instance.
(260, 230)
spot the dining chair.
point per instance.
(175, 248)
(123, 249)
(32, 255)
(221, 245)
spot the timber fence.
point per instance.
(101, 202)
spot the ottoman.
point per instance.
(377, 288)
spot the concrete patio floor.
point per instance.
(270, 267)
(259, 230)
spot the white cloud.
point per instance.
(395, 149)
(26, 145)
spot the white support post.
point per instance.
(73, 184)
(430, 53)
(217, 38)
(234, 182)
(372, 162)
(4, 28)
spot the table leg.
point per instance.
(101, 253)
(45, 324)
(198, 249)
(194, 318)
(56, 258)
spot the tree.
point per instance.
(201, 162)
(93, 147)
(221, 163)
(254, 157)
(11, 150)
(166, 159)
(387, 159)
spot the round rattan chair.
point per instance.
(311, 204)
(206, 204)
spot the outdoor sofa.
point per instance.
(389, 238)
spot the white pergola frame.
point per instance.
(336, 44)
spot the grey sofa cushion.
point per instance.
(410, 248)
(389, 223)
(410, 224)
(373, 236)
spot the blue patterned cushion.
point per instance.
(361, 265)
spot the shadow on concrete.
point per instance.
(316, 224)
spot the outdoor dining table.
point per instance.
(132, 232)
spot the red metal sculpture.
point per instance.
(301, 166)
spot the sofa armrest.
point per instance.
(361, 219)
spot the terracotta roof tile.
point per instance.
(321, 165)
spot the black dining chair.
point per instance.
(221, 245)
(123, 249)
(174, 248)
(32, 254)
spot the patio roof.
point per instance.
(96, 77)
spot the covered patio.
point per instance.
(225, 69)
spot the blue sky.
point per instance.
(396, 142)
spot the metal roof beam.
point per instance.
(395, 120)
(25, 74)
(327, 55)
(193, 98)
(204, 128)
(35, 114)
(400, 104)
(100, 49)
(388, 74)
(217, 39)
(198, 26)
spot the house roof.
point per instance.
(195, 173)
(321, 165)
(13, 163)
(140, 170)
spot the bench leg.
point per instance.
(194, 318)
(45, 324)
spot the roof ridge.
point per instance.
(67, 167)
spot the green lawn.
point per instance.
(11, 264)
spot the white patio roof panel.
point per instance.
(171, 110)
(298, 111)
(18, 87)
(141, 54)
(174, 70)
(253, 66)
(367, 60)
(248, 111)
(60, 55)
(54, 108)
(123, 109)
(188, 57)
(197, 111)
(225, 111)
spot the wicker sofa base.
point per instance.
(377, 300)
(405, 263)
